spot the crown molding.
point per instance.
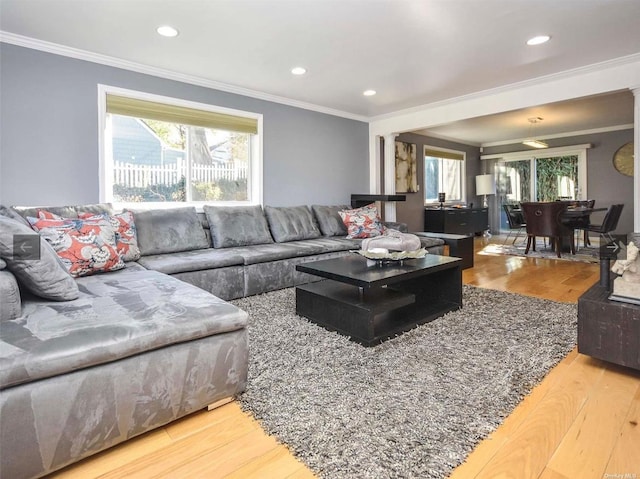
(594, 67)
(49, 47)
(567, 134)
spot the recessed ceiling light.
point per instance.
(167, 31)
(538, 40)
(299, 70)
(369, 92)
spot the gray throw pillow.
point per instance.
(45, 277)
(13, 214)
(169, 231)
(237, 226)
(291, 223)
(329, 219)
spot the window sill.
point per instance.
(164, 205)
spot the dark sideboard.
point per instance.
(461, 221)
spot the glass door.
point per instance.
(513, 185)
(536, 179)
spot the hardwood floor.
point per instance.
(580, 422)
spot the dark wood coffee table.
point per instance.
(371, 303)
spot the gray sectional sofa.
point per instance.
(90, 362)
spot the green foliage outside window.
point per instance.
(221, 190)
(549, 170)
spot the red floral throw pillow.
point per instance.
(362, 222)
(126, 236)
(84, 246)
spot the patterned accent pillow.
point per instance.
(84, 246)
(126, 235)
(362, 222)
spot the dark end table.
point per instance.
(460, 246)
(608, 330)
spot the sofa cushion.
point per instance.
(324, 245)
(237, 226)
(10, 305)
(62, 211)
(95, 209)
(46, 276)
(262, 253)
(84, 246)
(294, 249)
(116, 316)
(14, 215)
(291, 223)
(169, 231)
(329, 219)
(69, 211)
(196, 260)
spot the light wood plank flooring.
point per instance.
(580, 422)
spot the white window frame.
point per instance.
(254, 181)
(575, 150)
(463, 175)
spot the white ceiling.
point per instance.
(566, 118)
(413, 52)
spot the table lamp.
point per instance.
(485, 185)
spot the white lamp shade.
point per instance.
(485, 185)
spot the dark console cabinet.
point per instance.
(460, 221)
(608, 330)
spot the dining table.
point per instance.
(576, 214)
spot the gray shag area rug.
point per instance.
(412, 407)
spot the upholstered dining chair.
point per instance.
(543, 219)
(515, 220)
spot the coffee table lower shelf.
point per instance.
(367, 316)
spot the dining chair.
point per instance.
(609, 222)
(515, 220)
(579, 224)
(543, 219)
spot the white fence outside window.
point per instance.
(141, 176)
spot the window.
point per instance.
(444, 172)
(162, 150)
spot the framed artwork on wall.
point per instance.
(406, 168)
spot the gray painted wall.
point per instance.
(411, 211)
(604, 183)
(49, 134)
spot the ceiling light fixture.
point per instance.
(531, 141)
(540, 39)
(167, 31)
(298, 71)
(369, 92)
(535, 143)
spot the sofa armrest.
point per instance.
(402, 227)
(11, 305)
